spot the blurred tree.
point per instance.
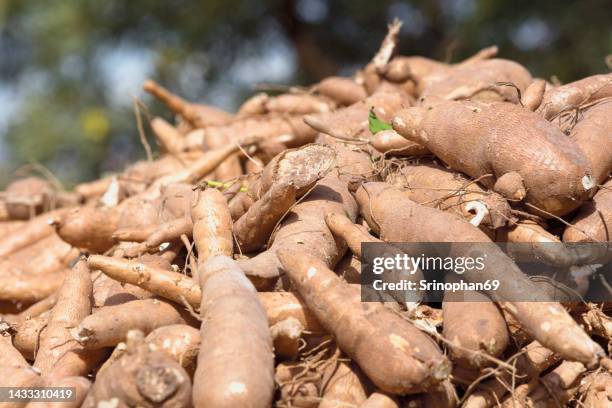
(69, 69)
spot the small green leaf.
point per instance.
(375, 124)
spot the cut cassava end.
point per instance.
(34, 230)
(252, 231)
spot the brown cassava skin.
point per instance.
(291, 128)
(534, 94)
(73, 305)
(240, 204)
(406, 221)
(26, 197)
(35, 229)
(402, 68)
(593, 134)
(80, 385)
(344, 91)
(511, 185)
(304, 229)
(476, 81)
(212, 224)
(349, 268)
(252, 231)
(394, 354)
(597, 323)
(575, 94)
(179, 288)
(286, 337)
(482, 332)
(302, 167)
(198, 168)
(139, 175)
(254, 165)
(498, 138)
(30, 288)
(406, 90)
(197, 115)
(89, 228)
(178, 341)
(141, 378)
(166, 232)
(596, 390)
(93, 189)
(529, 364)
(432, 185)
(555, 388)
(77, 363)
(38, 308)
(46, 256)
(169, 139)
(300, 104)
(281, 306)
(352, 122)
(235, 363)
(25, 377)
(230, 167)
(536, 244)
(594, 218)
(253, 106)
(109, 292)
(390, 142)
(300, 394)
(176, 199)
(28, 333)
(353, 234)
(9, 355)
(110, 324)
(7, 227)
(168, 284)
(346, 386)
(380, 400)
(169, 231)
(14, 369)
(443, 395)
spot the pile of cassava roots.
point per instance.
(224, 270)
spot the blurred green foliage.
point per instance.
(69, 69)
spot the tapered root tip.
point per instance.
(150, 86)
